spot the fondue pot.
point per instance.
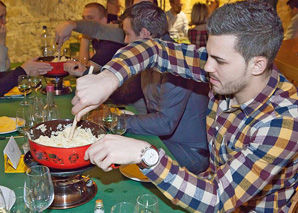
(58, 70)
(60, 157)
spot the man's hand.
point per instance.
(33, 67)
(93, 90)
(63, 32)
(115, 149)
(74, 68)
(2, 34)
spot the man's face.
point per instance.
(228, 72)
(130, 35)
(92, 13)
(3, 15)
(177, 6)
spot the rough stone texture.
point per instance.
(26, 18)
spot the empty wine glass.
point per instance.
(123, 207)
(39, 181)
(23, 120)
(36, 110)
(119, 126)
(147, 204)
(35, 84)
(24, 86)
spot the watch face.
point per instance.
(150, 157)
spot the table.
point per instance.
(287, 59)
(113, 187)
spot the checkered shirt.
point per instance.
(197, 37)
(253, 147)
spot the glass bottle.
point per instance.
(50, 110)
(99, 206)
(45, 43)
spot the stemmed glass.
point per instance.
(24, 86)
(36, 110)
(39, 181)
(108, 118)
(147, 204)
(119, 125)
(35, 84)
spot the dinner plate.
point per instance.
(11, 130)
(133, 172)
(5, 192)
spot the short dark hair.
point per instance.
(1, 2)
(256, 26)
(101, 9)
(146, 15)
(293, 3)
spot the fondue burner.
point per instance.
(57, 81)
(71, 188)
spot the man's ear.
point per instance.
(259, 65)
(145, 33)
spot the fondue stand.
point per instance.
(71, 188)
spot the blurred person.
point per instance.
(252, 116)
(113, 10)
(176, 106)
(292, 30)
(4, 59)
(198, 34)
(9, 79)
(178, 23)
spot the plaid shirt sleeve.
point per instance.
(165, 56)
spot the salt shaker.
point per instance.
(99, 206)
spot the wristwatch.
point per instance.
(150, 157)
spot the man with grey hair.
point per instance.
(252, 116)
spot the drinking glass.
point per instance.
(24, 119)
(17, 198)
(36, 110)
(3, 205)
(24, 86)
(147, 204)
(108, 118)
(35, 84)
(38, 180)
(119, 126)
(123, 207)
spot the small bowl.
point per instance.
(59, 157)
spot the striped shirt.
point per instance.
(253, 146)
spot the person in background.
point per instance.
(176, 106)
(178, 23)
(9, 79)
(113, 10)
(252, 116)
(4, 59)
(198, 35)
(292, 30)
(104, 49)
(213, 5)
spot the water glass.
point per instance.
(38, 180)
(123, 207)
(119, 126)
(17, 199)
(147, 204)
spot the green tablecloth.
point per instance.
(113, 187)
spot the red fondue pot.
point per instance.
(58, 70)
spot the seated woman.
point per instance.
(198, 35)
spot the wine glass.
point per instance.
(119, 126)
(39, 181)
(147, 204)
(24, 119)
(123, 207)
(108, 118)
(35, 84)
(24, 86)
(17, 198)
(36, 110)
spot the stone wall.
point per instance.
(26, 18)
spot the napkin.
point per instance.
(14, 92)
(8, 166)
(7, 124)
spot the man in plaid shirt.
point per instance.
(252, 118)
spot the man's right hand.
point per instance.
(74, 68)
(2, 34)
(93, 90)
(63, 32)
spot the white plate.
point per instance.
(11, 130)
(5, 192)
(127, 112)
(132, 172)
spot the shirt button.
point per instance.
(216, 128)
